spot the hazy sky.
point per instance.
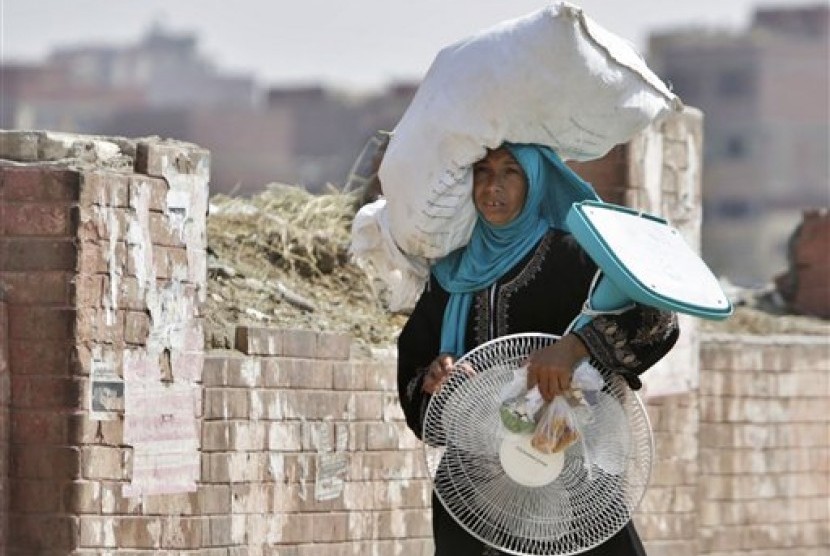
(350, 43)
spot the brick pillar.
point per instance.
(608, 175)
(659, 172)
(102, 256)
(37, 260)
(4, 419)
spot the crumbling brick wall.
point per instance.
(102, 257)
(37, 264)
(292, 444)
(5, 394)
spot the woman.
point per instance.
(521, 272)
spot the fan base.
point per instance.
(525, 464)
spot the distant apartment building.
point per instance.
(163, 86)
(331, 127)
(765, 98)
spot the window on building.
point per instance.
(685, 85)
(731, 209)
(735, 83)
(736, 147)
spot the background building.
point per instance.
(764, 93)
(163, 86)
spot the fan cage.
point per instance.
(584, 506)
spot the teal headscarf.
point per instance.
(552, 188)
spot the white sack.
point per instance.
(376, 253)
(553, 77)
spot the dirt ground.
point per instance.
(281, 259)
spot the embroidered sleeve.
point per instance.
(630, 343)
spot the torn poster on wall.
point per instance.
(106, 392)
(332, 466)
(162, 430)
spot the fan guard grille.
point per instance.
(584, 506)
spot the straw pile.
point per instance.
(281, 259)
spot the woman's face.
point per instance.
(499, 187)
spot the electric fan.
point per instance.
(513, 497)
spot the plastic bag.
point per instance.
(520, 406)
(561, 421)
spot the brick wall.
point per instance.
(102, 257)
(741, 466)
(764, 446)
(5, 394)
(305, 450)
(806, 284)
(37, 263)
(290, 444)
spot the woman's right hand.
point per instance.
(438, 372)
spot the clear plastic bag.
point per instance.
(520, 407)
(561, 421)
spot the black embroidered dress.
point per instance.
(543, 293)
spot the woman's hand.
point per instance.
(438, 372)
(551, 367)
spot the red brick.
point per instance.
(181, 532)
(98, 225)
(87, 290)
(38, 287)
(136, 327)
(82, 497)
(167, 260)
(138, 532)
(42, 323)
(38, 184)
(256, 340)
(46, 392)
(92, 325)
(332, 345)
(39, 427)
(4, 329)
(130, 295)
(35, 496)
(162, 233)
(39, 534)
(37, 254)
(300, 343)
(40, 357)
(83, 430)
(156, 188)
(39, 461)
(104, 188)
(150, 157)
(92, 257)
(36, 219)
(102, 462)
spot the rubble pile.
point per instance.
(280, 258)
